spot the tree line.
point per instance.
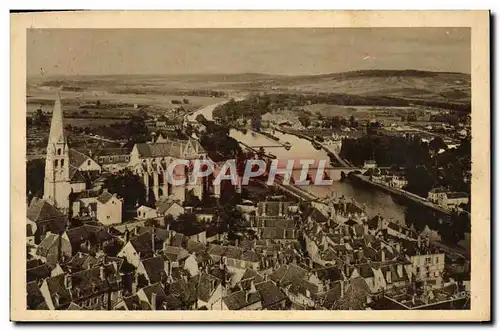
(425, 164)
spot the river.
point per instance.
(374, 201)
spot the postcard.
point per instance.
(250, 166)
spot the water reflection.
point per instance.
(375, 202)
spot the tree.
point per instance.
(35, 174)
(304, 120)
(437, 144)
(352, 122)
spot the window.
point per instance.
(101, 159)
(62, 163)
(56, 163)
(58, 151)
(428, 260)
(127, 158)
(88, 162)
(437, 260)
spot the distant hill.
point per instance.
(421, 86)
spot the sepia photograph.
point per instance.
(253, 170)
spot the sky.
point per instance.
(269, 51)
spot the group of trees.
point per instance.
(39, 119)
(217, 142)
(35, 174)
(425, 167)
(129, 186)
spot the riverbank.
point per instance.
(402, 193)
(334, 157)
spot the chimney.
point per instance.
(400, 270)
(152, 240)
(101, 273)
(365, 228)
(383, 255)
(55, 298)
(341, 288)
(280, 208)
(153, 301)
(59, 247)
(388, 276)
(398, 247)
(67, 282)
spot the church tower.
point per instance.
(57, 187)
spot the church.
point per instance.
(66, 170)
(151, 160)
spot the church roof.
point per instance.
(56, 134)
(174, 148)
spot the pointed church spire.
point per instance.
(57, 127)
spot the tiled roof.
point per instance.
(175, 253)
(355, 295)
(76, 175)
(57, 286)
(330, 273)
(233, 252)
(155, 268)
(47, 242)
(77, 158)
(240, 300)
(185, 291)
(164, 205)
(207, 284)
(96, 234)
(269, 293)
(252, 274)
(194, 246)
(143, 245)
(250, 256)
(40, 211)
(365, 270)
(88, 282)
(104, 197)
(160, 295)
(134, 303)
(332, 295)
(318, 216)
(216, 250)
(34, 295)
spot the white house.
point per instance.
(169, 207)
(109, 209)
(145, 212)
(191, 265)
